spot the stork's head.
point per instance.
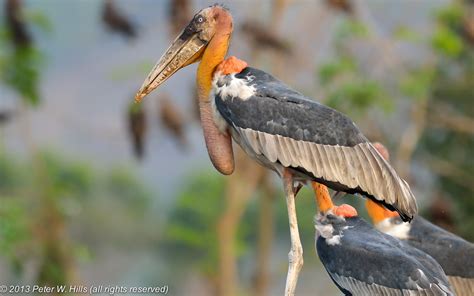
(189, 46)
(331, 224)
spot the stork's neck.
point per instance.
(377, 212)
(323, 199)
(212, 57)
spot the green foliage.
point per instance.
(191, 229)
(451, 15)
(447, 42)
(14, 226)
(11, 175)
(448, 39)
(70, 186)
(127, 190)
(19, 70)
(356, 97)
(417, 83)
(454, 92)
(351, 28)
(38, 19)
(406, 34)
(330, 71)
(348, 91)
(191, 234)
(134, 108)
(67, 178)
(20, 65)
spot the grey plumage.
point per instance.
(454, 254)
(281, 128)
(366, 261)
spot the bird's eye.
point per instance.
(200, 19)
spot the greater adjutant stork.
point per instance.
(454, 254)
(293, 135)
(364, 261)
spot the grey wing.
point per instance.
(356, 287)
(297, 132)
(455, 254)
(368, 262)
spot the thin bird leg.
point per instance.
(295, 256)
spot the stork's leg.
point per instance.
(295, 255)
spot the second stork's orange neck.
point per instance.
(213, 55)
(323, 199)
(377, 212)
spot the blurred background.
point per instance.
(95, 190)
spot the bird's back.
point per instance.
(282, 128)
(453, 253)
(368, 262)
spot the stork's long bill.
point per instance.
(183, 51)
(189, 47)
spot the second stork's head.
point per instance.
(207, 37)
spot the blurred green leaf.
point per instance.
(191, 232)
(355, 97)
(11, 175)
(450, 15)
(329, 71)
(447, 42)
(68, 178)
(39, 19)
(405, 33)
(352, 28)
(20, 71)
(127, 189)
(14, 228)
(417, 84)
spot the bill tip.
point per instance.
(139, 96)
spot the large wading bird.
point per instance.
(454, 254)
(364, 261)
(300, 139)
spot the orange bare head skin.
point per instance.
(345, 211)
(377, 212)
(209, 31)
(231, 65)
(382, 150)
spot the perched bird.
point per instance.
(5, 116)
(137, 129)
(364, 261)
(172, 120)
(179, 14)
(300, 139)
(16, 24)
(468, 23)
(116, 21)
(341, 5)
(454, 254)
(265, 38)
